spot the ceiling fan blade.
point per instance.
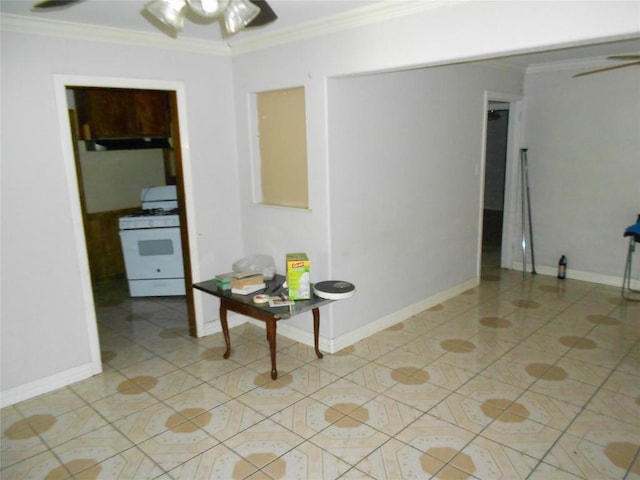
(614, 67)
(624, 57)
(266, 15)
(53, 4)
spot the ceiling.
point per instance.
(130, 15)
(292, 15)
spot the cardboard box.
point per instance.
(298, 276)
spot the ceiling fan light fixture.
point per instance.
(238, 14)
(208, 8)
(169, 12)
(266, 15)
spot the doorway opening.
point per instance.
(179, 175)
(499, 182)
(123, 153)
(114, 164)
(494, 184)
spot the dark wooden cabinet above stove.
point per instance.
(105, 113)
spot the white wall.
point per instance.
(405, 153)
(112, 180)
(583, 136)
(45, 330)
(337, 242)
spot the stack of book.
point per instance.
(246, 283)
(243, 283)
(224, 280)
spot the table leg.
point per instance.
(271, 336)
(316, 330)
(225, 328)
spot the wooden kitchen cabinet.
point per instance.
(151, 112)
(122, 113)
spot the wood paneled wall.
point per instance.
(103, 243)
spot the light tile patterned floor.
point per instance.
(521, 377)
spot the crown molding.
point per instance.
(568, 65)
(501, 64)
(57, 28)
(376, 13)
(368, 15)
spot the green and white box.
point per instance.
(298, 276)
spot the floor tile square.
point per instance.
(349, 439)
(91, 448)
(386, 415)
(131, 463)
(306, 461)
(466, 412)
(228, 419)
(270, 397)
(586, 459)
(484, 458)
(263, 442)
(343, 395)
(42, 465)
(178, 445)
(148, 423)
(198, 399)
(436, 437)
(395, 459)
(521, 434)
(307, 417)
(216, 462)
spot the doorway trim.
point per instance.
(514, 140)
(61, 82)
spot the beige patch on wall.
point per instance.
(282, 128)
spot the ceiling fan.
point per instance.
(237, 14)
(630, 59)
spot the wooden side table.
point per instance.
(244, 305)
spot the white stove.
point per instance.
(154, 218)
(159, 209)
(151, 244)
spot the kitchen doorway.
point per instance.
(126, 165)
(177, 100)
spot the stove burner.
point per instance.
(153, 212)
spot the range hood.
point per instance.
(127, 143)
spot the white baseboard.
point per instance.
(591, 277)
(233, 320)
(63, 379)
(387, 321)
(354, 336)
(46, 385)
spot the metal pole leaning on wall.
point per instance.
(524, 217)
(526, 199)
